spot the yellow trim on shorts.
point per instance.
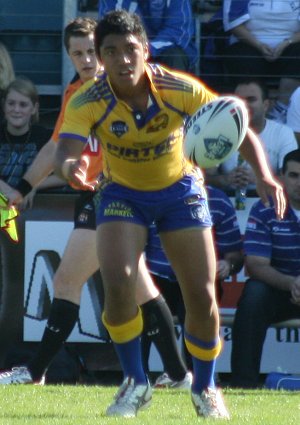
(203, 353)
(126, 331)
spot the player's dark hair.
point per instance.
(258, 82)
(119, 22)
(291, 156)
(78, 27)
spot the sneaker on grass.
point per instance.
(210, 404)
(130, 398)
(18, 375)
(164, 381)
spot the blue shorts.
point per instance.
(181, 205)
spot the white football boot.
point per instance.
(18, 375)
(210, 404)
(130, 398)
(164, 381)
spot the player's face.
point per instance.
(18, 110)
(291, 181)
(82, 54)
(123, 58)
(257, 107)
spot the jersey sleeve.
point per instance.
(78, 118)
(293, 113)
(235, 13)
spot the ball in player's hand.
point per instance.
(215, 131)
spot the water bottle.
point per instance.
(240, 198)
(240, 192)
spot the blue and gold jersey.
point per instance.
(140, 151)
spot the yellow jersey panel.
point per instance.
(140, 151)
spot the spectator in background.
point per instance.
(170, 28)
(265, 42)
(7, 74)
(272, 293)
(278, 139)
(21, 137)
(293, 114)
(229, 249)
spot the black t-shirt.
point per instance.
(18, 152)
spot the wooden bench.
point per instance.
(227, 320)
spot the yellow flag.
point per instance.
(8, 219)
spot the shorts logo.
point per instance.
(192, 200)
(82, 218)
(118, 209)
(119, 128)
(88, 207)
(199, 212)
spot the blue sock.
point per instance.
(203, 368)
(130, 357)
(203, 375)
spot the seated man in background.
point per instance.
(293, 114)
(229, 247)
(278, 139)
(169, 26)
(272, 293)
(264, 42)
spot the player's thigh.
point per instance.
(79, 260)
(120, 245)
(192, 256)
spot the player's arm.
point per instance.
(231, 264)
(252, 151)
(42, 165)
(70, 165)
(260, 268)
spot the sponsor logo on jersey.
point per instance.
(143, 152)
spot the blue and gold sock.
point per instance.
(204, 356)
(127, 342)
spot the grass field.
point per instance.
(85, 405)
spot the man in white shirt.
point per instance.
(278, 139)
(293, 114)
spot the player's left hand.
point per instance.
(223, 269)
(295, 291)
(75, 172)
(268, 186)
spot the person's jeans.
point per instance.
(259, 306)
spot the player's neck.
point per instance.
(137, 97)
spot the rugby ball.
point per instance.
(215, 131)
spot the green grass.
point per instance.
(85, 405)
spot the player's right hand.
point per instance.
(75, 172)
